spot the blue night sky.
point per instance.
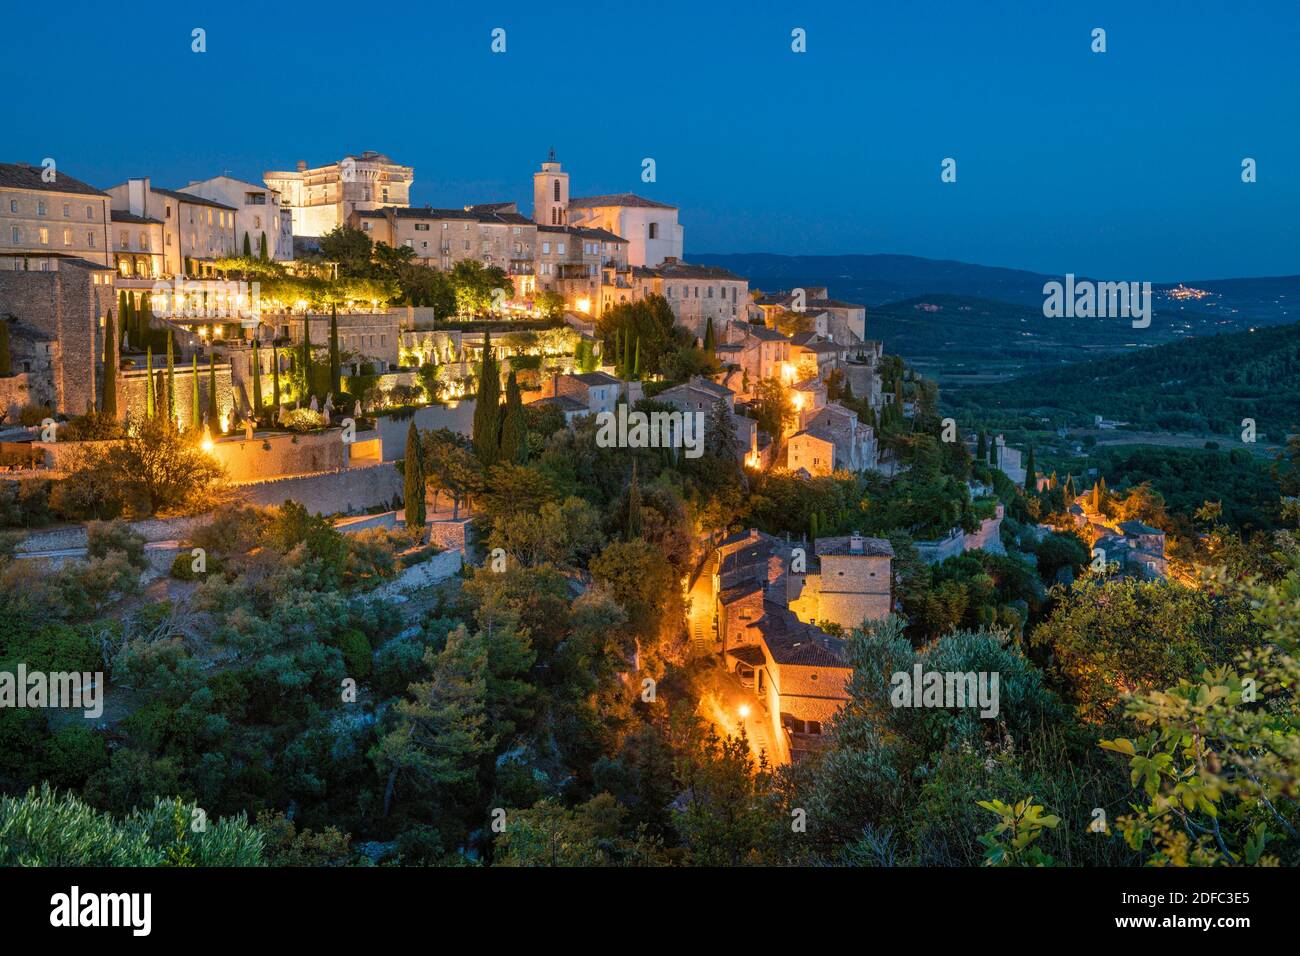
(1123, 165)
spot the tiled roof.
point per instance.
(1138, 527)
(617, 199)
(191, 198)
(840, 545)
(750, 654)
(595, 378)
(563, 402)
(790, 641)
(62, 257)
(766, 334)
(122, 215)
(25, 176)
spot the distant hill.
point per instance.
(989, 320)
(876, 279)
(1205, 384)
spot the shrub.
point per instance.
(103, 537)
(92, 426)
(302, 420)
(49, 828)
(355, 647)
(34, 414)
(87, 493)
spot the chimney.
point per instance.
(856, 543)
(302, 165)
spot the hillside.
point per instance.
(1206, 384)
(990, 324)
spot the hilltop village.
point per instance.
(294, 327)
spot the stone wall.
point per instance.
(152, 529)
(18, 390)
(419, 576)
(65, 305)
(351, 490)
(133, 385)
(989, 535)
(451, 535)
(276, 454)
(940, 550)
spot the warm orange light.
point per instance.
(584, 305)
(743, 711)
(207, 444)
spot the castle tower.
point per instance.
(551, 194)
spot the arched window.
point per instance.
(557, 190)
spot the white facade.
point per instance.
(257, 213)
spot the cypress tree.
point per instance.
(195, 417)
(148, 377)
(261, 250)
(109, 404)
(144, 319)
(486, 432)
(982, 448)
(636, 362)
(335, 365)
(213, 422)
(275, 376)
(710, 342)
(634, 515)
(1031, 480)
(306, 356)
(257, 380)
(812, 527)
(160, 395)
(171, 378)
(124, 314)
(248, 246)
(413, 482)
(514, 428)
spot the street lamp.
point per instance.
(744, 711)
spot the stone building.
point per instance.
(52, 213)
(768, 595)
(650, 227)
(323, 197)
(494, 235)
(702, 395)
(848, 583)
(846, 322)
(833, 440)
(59, 305)
(695, 293)
(195, 230)
(259, 215)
